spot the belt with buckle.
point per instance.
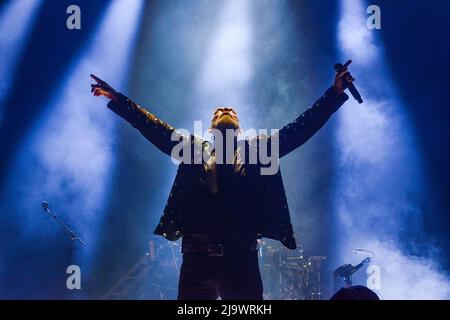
(217, 249)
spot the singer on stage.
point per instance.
(220, 210)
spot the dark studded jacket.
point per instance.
(271, 208)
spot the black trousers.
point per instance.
(231, 277)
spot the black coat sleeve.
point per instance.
(306, 125)
(159, 133)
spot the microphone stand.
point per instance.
(73, 236)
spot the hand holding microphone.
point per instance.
(344, 80)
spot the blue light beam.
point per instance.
(16, 22)
(225, 76)
(380, 177)
(69, 157)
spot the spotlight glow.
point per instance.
(228, 68)
(16, 22)
(380, 177)
(69, 158)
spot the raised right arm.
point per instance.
(161, 134)
(152, 128)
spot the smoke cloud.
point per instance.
(380, 181)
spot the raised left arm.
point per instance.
(306, 125)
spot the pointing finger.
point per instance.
(98, 80)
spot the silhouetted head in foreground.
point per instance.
(355, 293)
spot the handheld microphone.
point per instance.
(45, 206)
(340, 68)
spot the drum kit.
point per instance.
(289, 274)
(286, 274)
